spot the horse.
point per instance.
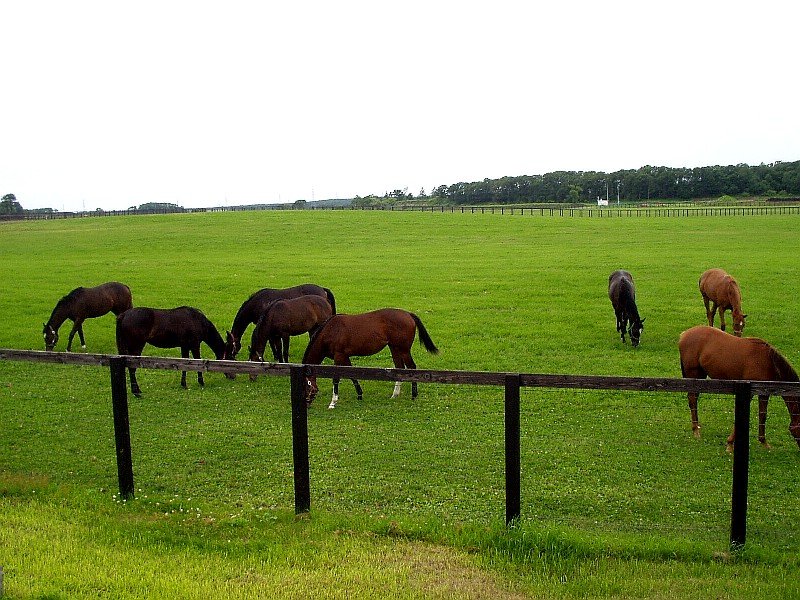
(283, 319)
(343, 336)
(622, 293)
(255, 306)
(722, 291)
(85, 303)
(709, 352)
(183, 327)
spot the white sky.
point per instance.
(109, 105)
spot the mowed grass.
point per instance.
(619, 500)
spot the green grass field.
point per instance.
(619, 500)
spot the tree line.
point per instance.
(630, 186)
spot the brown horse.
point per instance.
(708, 352)
(256, 305)
(183, 327)
(343, 336)
(283, 319)
(722, 291)
(85, 303)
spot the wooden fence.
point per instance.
(743, 391)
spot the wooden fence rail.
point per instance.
(743, 391)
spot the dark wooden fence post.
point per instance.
(513, 479)
(122, 429)
(741, 461)
(302, 479)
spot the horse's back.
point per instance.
(620, 283)
(715, 283)
(721, 355)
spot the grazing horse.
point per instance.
(183, 327)
(283, 319)
(85, 303)
(343, 336)
(722, 291)
(622, 293)
(256, 305)
(708, 352)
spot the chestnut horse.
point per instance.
(283, 319)
(709, 352)
(85, 303)
(183, 327)
(622, 293)
(722, 291)
(343, 336)
(256, 305)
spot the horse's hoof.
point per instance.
(729, 448)
(697, 434)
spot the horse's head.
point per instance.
(50, 337)
(738, 324)
(311, 390)
(232, 346)
(635, 331)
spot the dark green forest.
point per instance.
(780, 179)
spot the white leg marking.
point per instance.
(334, 400)
(396, 391)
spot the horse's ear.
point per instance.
(744, 316)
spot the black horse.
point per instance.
(623, 297)
(85, 303)
(183, 327)
(256, 305)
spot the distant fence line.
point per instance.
(642, 210)
(743, 391)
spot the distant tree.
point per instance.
(9, 205)
(300, 204)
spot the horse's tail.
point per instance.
(331, 300)
(424, 337)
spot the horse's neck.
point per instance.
(241, 321)
(735, 297)
(631, 309)
(58, 316)
(314, 354)
(215, 341)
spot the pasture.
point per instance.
(614, 484)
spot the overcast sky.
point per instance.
(109, 104)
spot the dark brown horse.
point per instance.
(723, 293)
(343, 336)
(622, 293)
(256, 305)
(183, 327)
(708, 352)
(85, 303)
(283, 319)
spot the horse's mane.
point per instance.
(785, 370)
(315, 335)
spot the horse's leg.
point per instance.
(721, 318)
(693, 409)
(762, 420)
(184, 354)
(75, 326)
(79, 325)
(709, 313)
(286, 348)
(134, 384)
(731, 437)
(196, 354)
(334, 394)
(343, 361)
(275, 346)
